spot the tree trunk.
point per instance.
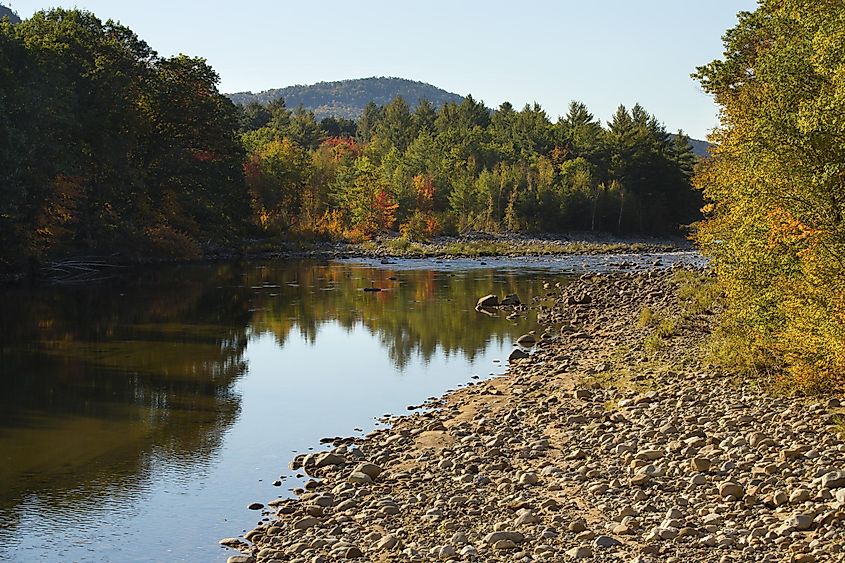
(621, 208)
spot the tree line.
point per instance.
(108, 148)
(462, 167)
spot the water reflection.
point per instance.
(103, 382)
(417, 311)
(113, 386)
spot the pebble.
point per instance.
(548, 463)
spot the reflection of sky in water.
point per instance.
(319, 364)
(292, 397)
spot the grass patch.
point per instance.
(663, 328)
(667, 327)
(839, 424)
(647, 317)
(698, 292)
(624, 373)
(402, 246)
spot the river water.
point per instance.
(143, 413)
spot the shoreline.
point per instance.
(473, 245)
(612, 441)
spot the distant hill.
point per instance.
(699, 147)
(347, 98)
(7, 12)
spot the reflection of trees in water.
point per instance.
(421, 312)
(103, 383)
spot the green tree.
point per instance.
(368, 123)
(396, 125)
(424, 117)
(277, 174)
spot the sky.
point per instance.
(601, 52)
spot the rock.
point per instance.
(526, 340)
(387, 542)
(296, 462)
(640, 479)
(305, 523)
(255, 506)
(605, 542)
(327, 459)
(232, 542)
(360, 478)
(582, 552)
(649, 455)
(800, 522)
(788, 454)
(447, 552)
(468, 552)
(700, 464)
(518, 354)
(578, 525)
(799, 495)
(526, 518)
(353, 553)
(833, 480)
(731, 489)
(504, 545)
(529, 478)
(369, 469)
(240, 559)
(511, 299)
(487, 301)
(494, 537)
(698, 479)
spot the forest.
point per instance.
(108, 149)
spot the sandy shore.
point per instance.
(605, 444)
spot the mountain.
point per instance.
(7, 12)
(347, 98)
(699, 147)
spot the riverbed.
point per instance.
(143, 413)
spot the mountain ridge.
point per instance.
(7, 12)
(347, 98)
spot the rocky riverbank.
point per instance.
(473, 245)
(83, 269)
(612, 441)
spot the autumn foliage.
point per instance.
(775, 225)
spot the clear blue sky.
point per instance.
(602, 52)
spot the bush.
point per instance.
(420, 227)
(167, 242)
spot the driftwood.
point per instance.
(84, 269)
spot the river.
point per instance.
(143, 413)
